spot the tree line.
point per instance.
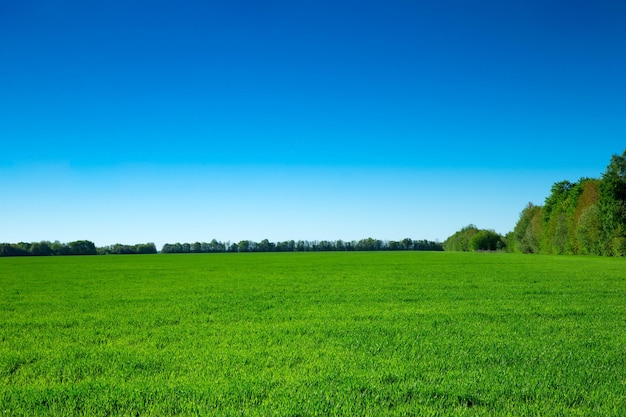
(587, 217)
(265, 245)
(584, 217)
(120, 249)
(86, 247)
(45, 248)
(79, 247)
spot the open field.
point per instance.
(378, 333)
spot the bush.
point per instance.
(486, 240)
(473, 238)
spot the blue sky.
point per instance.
(187, 121)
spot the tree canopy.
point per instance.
(368, 244)
(587, 217)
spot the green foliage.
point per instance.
(555, 201)
(14, 249)
(486, 240)
(361, 333)
(85, 247)
(368, 244)
(79, 247)
(471, 238)
(40, 249)
(613, 199)
(526, 236)
(589, 231)
(559, 213)
(586, 217)
(585, 223)
(459, 241)
(619, 246)
(120, 249)
(82, 247)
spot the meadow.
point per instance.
(313, 334)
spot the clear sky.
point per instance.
(148, 121)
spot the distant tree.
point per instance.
(423, 245)
(121, 249)
(24, 247)
(325, 246)
(265, 246)
(82, 247)
(394, 245)
(146, 248)
(59, 248)
(41, 249)
(215, 246)
(244, 246)
(369, 244)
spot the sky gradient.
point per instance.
(149, 121)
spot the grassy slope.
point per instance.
(313, 334)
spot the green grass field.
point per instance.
(303, 334)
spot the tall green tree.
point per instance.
(612, 205)
(584, 221)
(586, 217)
(556, 214)
(526, 236)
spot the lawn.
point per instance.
(304, 334)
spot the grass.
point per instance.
(313, 334)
